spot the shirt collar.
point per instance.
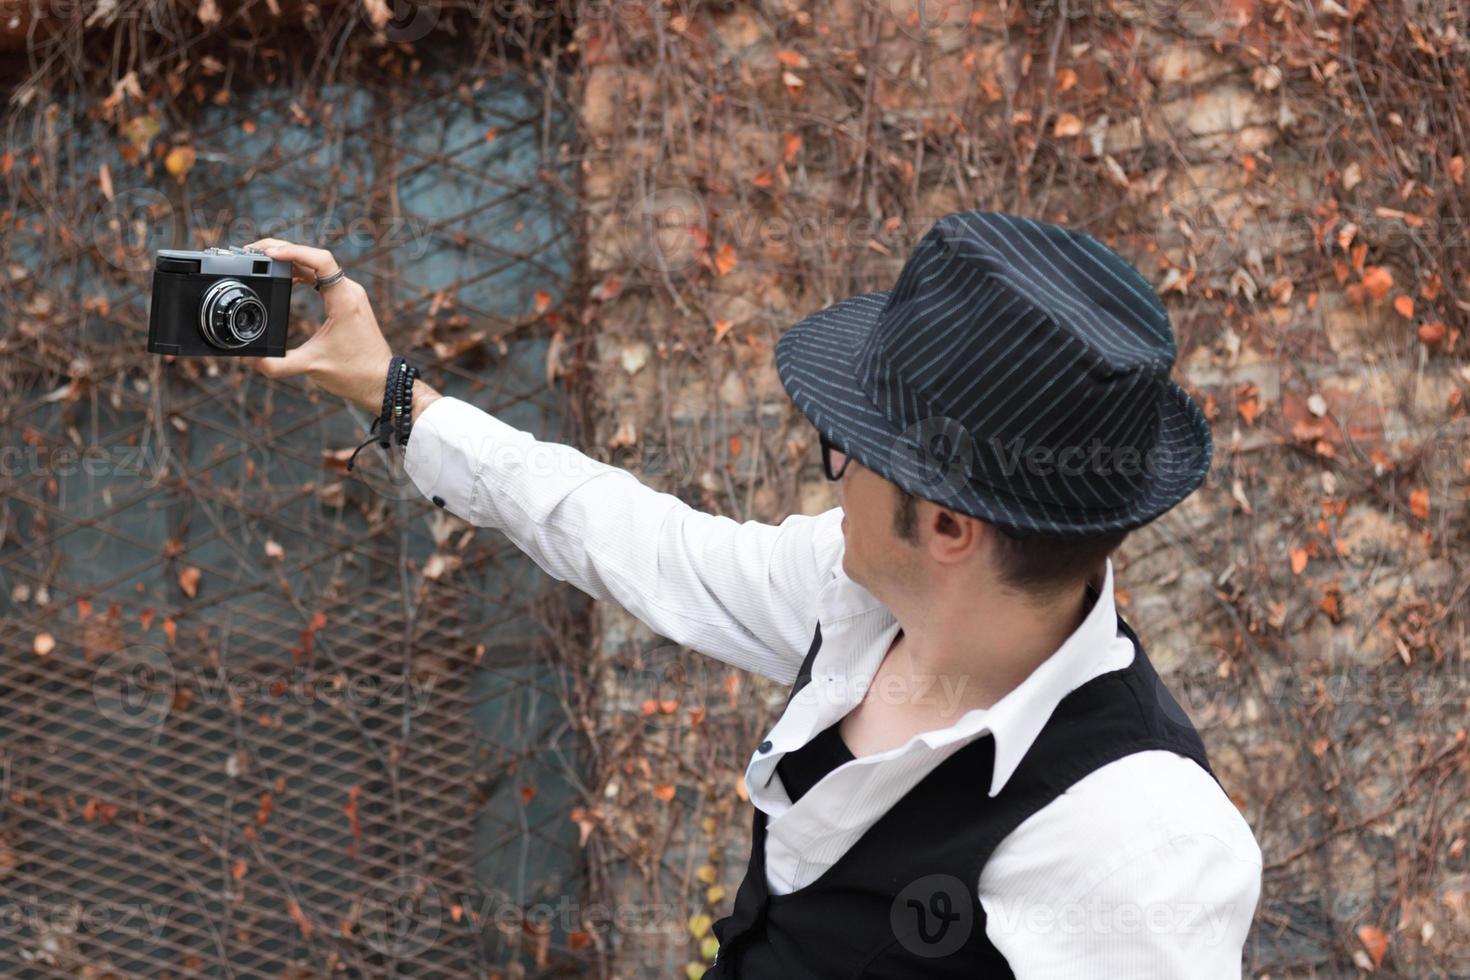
(1017, 718)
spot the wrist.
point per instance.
(369, 395)
(423, 397)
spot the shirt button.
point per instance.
(438, 500)
(764, 746)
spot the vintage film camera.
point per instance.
(231, 302)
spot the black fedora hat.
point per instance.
(1018, 372)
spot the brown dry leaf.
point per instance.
(1419, 504)
(43, 644)
(1378, 281)
(1067, 125)
(1066, 78)
(725, 259)
(1298, 560)
(189, 580)
(1404, 303)
(1375, 941)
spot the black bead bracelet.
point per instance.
(396, 418)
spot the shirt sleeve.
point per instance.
(743, 593)
(1142, 889)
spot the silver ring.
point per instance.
(335, 277)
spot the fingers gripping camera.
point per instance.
(219, 302)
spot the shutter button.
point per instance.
(764, 746)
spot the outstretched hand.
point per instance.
(347, 355)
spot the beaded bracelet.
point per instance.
(396, 418)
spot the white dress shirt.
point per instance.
(1142, 869)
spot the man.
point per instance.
(977, 773)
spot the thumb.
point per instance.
(294, 363)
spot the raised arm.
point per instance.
(744, 593)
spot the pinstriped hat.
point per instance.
(1018, 372)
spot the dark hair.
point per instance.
(1039, 565)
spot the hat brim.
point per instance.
(817, 362)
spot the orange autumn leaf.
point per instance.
(490, 134)
(528, 793)
(1419, 504)
(1066, 78)
(1249, 410)
(170, 630)
(725, 259)
(648, 707)
(791, 59)
(1405, 306)
(1378, 281)
(1067, 125)
(722, 327)
(734, 445)
(762, 179)
(84, 609)
(1375, 941)
(664, 791)
(1432, 334)
(238, 871)
(1457, 169)
(145, 618)
(791, 146)
(264, 813)
(1298, 560)
(300, 918)
(43, 644)
(189, 581)
(543, 300)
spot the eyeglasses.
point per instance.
(834, 460)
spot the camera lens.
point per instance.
(231, 315)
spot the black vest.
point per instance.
(901, 902)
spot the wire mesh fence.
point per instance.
(262, 716)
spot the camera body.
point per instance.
(219, 302)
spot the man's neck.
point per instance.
(985, 649)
